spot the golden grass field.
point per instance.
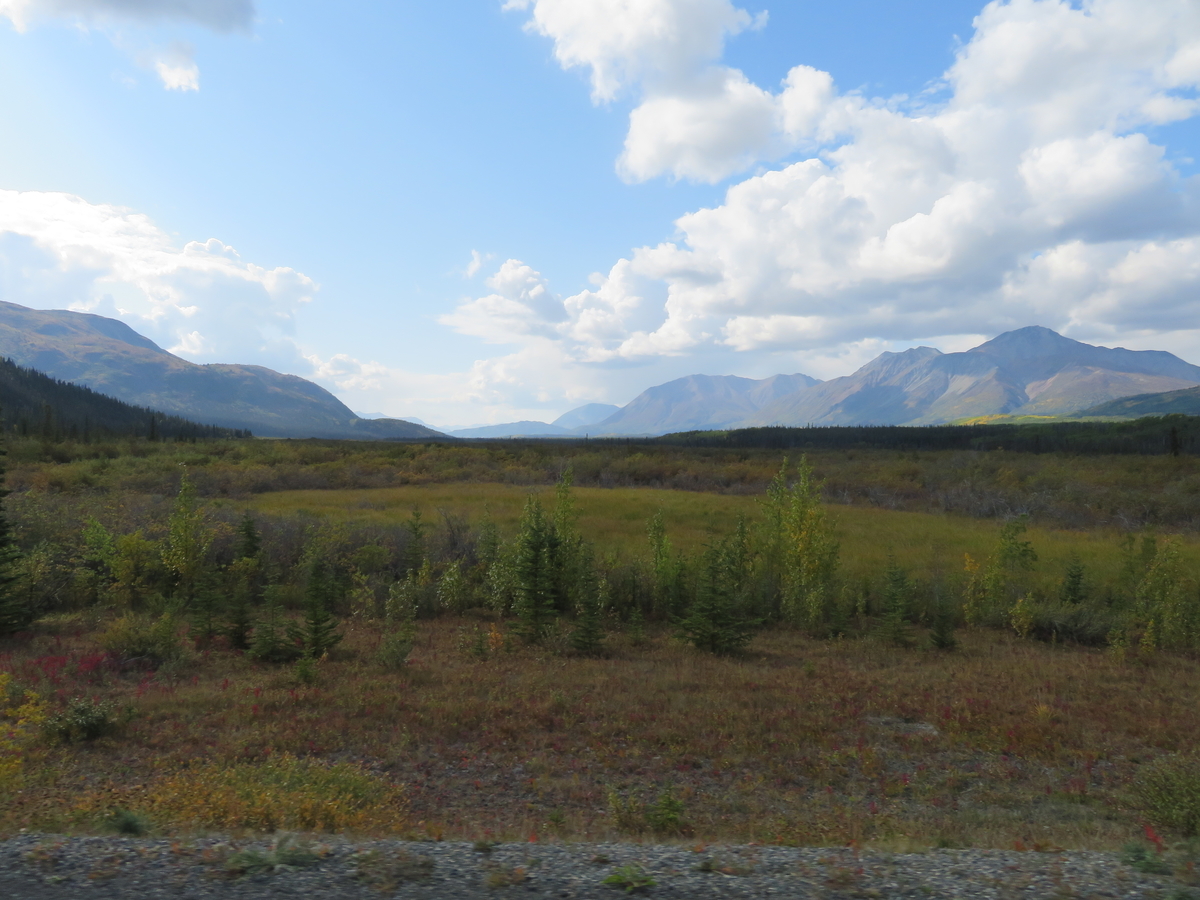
(615, 519)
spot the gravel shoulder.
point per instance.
(49, 867)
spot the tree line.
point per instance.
(1173, 434)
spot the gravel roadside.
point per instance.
(48, 867)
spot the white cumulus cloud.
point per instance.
(1029, 190)
(201, 300)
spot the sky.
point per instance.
(489, 211)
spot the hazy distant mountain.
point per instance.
(583, 416)
(699, 402)
(379, 415)
(1030, 371)
(111, 358)
(512, 429)
(1186, 401)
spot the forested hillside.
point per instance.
(34, 404)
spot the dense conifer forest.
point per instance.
(35, 405)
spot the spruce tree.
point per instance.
(239, 618)
(249, 545)
(718, 621)
(275, 639)
(941, 632)
(414, 556)
(320, 634)
(897, 590)
(1073, 591)
(205, 611)
(588, 636)
(535, 574)
(16, 612)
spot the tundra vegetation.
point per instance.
(528, 640)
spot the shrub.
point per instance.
(1078, 623)
(83, 720)
(631, 878)
(394, 649)
(1168, 793)
(138, 638)
(284, 852)
(665, 815)
(282, 794)
(123, 821)
(1144, 859)
(807, 549)
(20, 714)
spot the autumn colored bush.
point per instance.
(284, 793)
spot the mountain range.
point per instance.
(113, 359)
(1029, 371)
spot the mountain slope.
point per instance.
(1030, 371)
(111, 358)
(698, 402)
(1186, 401)
(32, 403)
(583, 416)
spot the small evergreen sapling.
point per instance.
(319, 632)
(941, 632)
(588, 637)
(536, 577)
(205, 611)
(717, 621)
(239, 617)
(1073, 591)
(893, 627)
(276, 639)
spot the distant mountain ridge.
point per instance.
(1029, 371)
(699, 402)
(113, 359)
(524, 428)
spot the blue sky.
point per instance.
(304, 187)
